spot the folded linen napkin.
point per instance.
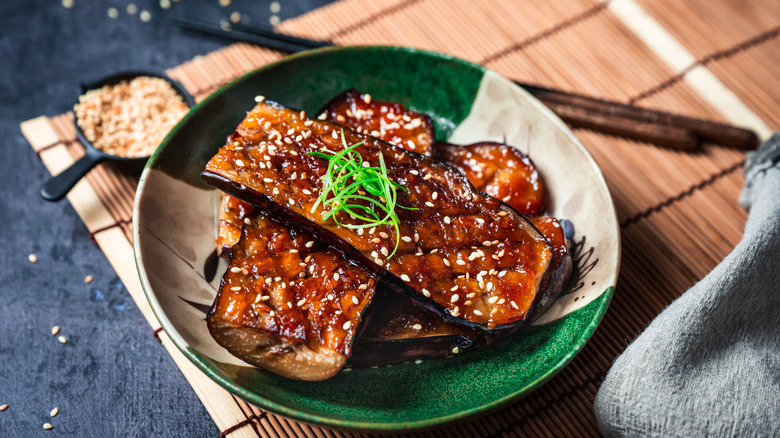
(709, 365)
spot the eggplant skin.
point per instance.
(274, 354)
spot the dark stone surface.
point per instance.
(112, 378)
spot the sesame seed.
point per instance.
(363, 287)
(55, 330)
(240, 163)
(306, 191)
(417, 326)
(501, 253)
(235, 269)
(418, 362)
(502, 301)
(425, 292)
(355, 300)
(435, 195)
(486, 243)
(308, 123)
(271, 313)
(3, 407)
(347, 325)
(367, 98)
(514, 304)
(480, 220)
(265, 298)
(62, 339)
(405, 277)
(259, 99)
(292, 201)
(301, 302)
(303, 114)
(268, 180)
(455, 297)
(54, 412)
(244, 271)
(336, 276)
(309, 244)
(330, 297)
(429, 203)
(427, 177)
(288, 140)
(275, 191)
(414, 172)
(383, 235)
(384, 251)
(113, 12)
(460, 262)
(322, 116)
(298, 137)
(492, 300)
(477, 312)
(235, 288)
(455, 312)
(416, 237)
(32, 258)
(447, 220)
(306, 260)
(446, 262)
(456, 350)
(47, 426)
(374, 254)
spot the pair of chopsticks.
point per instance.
(637, 123)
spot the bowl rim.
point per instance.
(356, 425)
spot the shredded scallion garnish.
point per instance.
(363, 192)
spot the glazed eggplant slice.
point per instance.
(230, 218)
(499, 170)
(287, 303)
(388, 121)
(458, 250)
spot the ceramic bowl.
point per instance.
(175, 220)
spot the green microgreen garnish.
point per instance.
(350, 180)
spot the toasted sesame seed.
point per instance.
(487, 243)
(414, 172)
(405, 277)
(363, 287)
(514, 304)
(259, 99)
(455, 297)
(492, 300)
(336, 276)
(355, 300)
(240, 163)
(376, 240)
(425, 292)
(383, 235)
(235, 288)
(417, 326)
(427, 177)
(47, 426)
(309, 244)
(460, 262)
(447, 220)
(272, 313)
(88, 279)
(502, 301)
(3, 407)
(455, 312)
(406, 239)
(54, 412)
(384, 251)
(429, 203)
(416, 237)
(62, 339)
(55, 330)
(367, 98)
(308, 123)
(303, 114)
(347, 325)
(265, 298)
(32, 258)
(446, 262)
(301, 302)
(235, 269)
(268, 180)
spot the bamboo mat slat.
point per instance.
(678, 210)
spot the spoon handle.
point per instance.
(58, 186)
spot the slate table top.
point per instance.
(111, 378)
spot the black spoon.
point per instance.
(58, 186)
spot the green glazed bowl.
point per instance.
(175, 216)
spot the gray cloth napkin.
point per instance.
(709, 364)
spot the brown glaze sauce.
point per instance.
(389, 121)
(466, 251)
(288, 284)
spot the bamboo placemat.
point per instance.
(678, 211)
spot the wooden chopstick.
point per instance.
(643, 124)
